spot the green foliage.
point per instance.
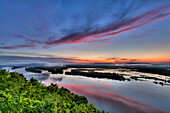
(18, 95)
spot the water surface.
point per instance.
(111, 95)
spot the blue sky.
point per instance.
(86, 31)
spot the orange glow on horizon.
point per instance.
(120, 60)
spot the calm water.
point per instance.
(110, 95)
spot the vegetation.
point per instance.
(92, 74)
(154, 70)
(16, 67)
(31, 69)
(147, 77)
(17, 94)
(53, 70)
(163, 81)
(145, 69)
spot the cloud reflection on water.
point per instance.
(119, 102)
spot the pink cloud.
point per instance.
(113, 29)
(104, 43)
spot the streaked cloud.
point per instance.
(113, 29)
(18, 46)
(64, 59)
(41, 29)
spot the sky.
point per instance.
(84, 31)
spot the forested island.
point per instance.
(88, 71)
(113, 76)
(17, 94)
(154, 69)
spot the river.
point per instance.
(114, 96)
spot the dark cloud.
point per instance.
(118, 60)
(64, 59)
(42, 59)
(101, 57)
(111, 58)
(140, 36)
(2, 44)
(133, 60)
(16, 59)
(33, 41)
(17, 36)
(124, 59)
(17, 46)
(91, 49)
